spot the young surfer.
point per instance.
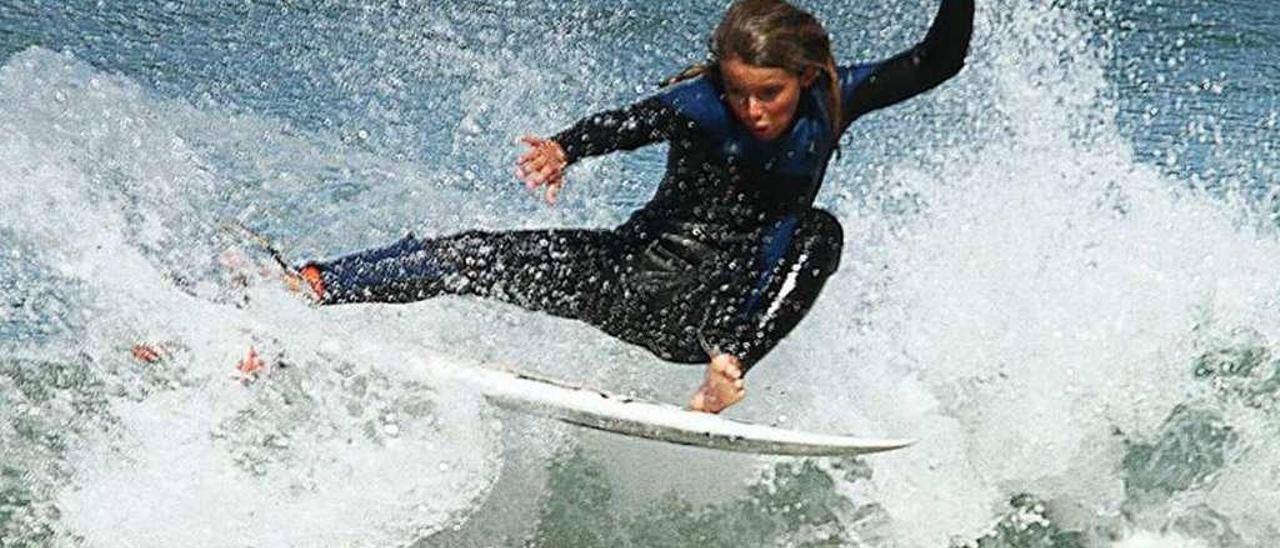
(730, 253)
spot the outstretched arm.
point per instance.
(628, 128)
(931, 62)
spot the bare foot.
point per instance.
(722, 387)
(242, 272)
(309, 278)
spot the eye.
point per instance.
(770, 93)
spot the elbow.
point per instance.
(950, 55)
(954, 64)
(942, 65)
(947, 43)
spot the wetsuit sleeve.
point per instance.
(938, 57)
(628, 128)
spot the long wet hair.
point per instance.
(776, 34)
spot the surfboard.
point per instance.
(601, 410)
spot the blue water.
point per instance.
(1061, 275)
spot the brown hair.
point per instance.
(772, 33)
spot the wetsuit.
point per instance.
(729, 254)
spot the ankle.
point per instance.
(311, 274)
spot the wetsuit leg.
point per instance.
(665, 295)
(794, 260)
(562, 272)
(742, 301)
(665, 287)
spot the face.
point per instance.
(764, 99)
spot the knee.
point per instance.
(822, 239)
(819, 223)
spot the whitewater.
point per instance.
(1061, 275)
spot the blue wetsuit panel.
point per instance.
(802, 152)
(699, 101)
(777, 242)
(851, 77)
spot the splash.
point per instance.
(105, 188)
(1036, 319)
(1082, 340)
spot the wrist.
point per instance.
(563, 150)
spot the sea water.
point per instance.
(1061, 275)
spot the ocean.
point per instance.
(1061, 275)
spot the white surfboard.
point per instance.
(658, 421)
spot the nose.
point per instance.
(755, 108)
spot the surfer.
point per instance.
(730, 253)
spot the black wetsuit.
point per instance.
(729, 253)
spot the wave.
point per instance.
(1081, 341)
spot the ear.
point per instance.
(808, 76)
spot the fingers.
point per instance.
(546, 176)
(540, 148)
(539, 172)
(530, 167)
(537, 147)
(714, 395)
(542, 164)
(533, 178)
(534, 159)
(553, 191)
(698, 402)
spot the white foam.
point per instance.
(1044, 306)
(332, 450)
(1143, 539)
(1039, 311)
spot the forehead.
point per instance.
(742, 75)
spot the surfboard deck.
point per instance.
(601, 410)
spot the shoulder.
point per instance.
(852, 76)
(699, 100)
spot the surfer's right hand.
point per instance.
(722, 387)
(543, 164)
